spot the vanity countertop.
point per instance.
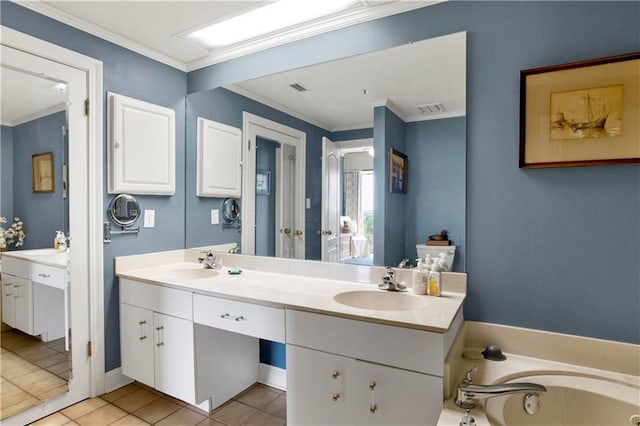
(47, 256)
(291, 290)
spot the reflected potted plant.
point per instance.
(13, 235)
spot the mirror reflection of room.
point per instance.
(35, 361)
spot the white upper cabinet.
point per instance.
(142, 145)
(219, 159)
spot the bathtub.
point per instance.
(569, 400)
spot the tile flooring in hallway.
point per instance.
(136, 404)
(31, 371)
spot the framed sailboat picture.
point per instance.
(581, 114)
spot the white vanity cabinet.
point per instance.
(343, 371)
(17, 310)
(157, 338)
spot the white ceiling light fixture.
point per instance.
(274, 16)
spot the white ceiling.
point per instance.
(156, 28)
(403, 78)
(26, 97)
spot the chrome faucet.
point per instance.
(404, 264)
(389, 282)
(468, 393)
(209, 260)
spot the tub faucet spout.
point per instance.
(468, 392)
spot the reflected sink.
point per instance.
(380, 300)
(43, 252)
(191, 273)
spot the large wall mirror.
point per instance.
(350, 113)
(36, 358)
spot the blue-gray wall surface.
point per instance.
(535, 238)
(42, 214)
(6, 174)
(437, 181)
(266, 203)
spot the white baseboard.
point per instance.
(114, 379)
(272, 376)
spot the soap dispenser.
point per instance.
(435, 279)
(60, 241)
(419, 280)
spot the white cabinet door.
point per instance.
(8, 300)
(174, 360)
(219, 159)
(317, 388)
(141, 152)
(136, 343)
(381, 395)
(23, 295)
(48, 311)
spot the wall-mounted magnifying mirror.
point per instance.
(230, 211)
(124, 210)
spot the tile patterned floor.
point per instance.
(136, 404)
(31, 371)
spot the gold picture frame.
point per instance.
(42, 177)
(581, 114)
(398, 171)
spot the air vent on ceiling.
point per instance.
(433, 108)
(299, 87)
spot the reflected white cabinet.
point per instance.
(17, 303)
(141, 152)
(157, 338)
(219, 159)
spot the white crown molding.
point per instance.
(310, 29)
(35, 115)
(352, 126)
(101, 32)
(422, 117)
(275, 105)
(240, 49)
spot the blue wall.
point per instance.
(437, 182)
(266, 204)
(6, 173)
(129, 74)
(535, 238)
(345, 135)
(37, 137)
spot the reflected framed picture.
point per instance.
(263, 182)
(398, 169)
(42, 178)
(581, 114)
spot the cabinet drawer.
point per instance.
(166, 300)
(15, 267)
(49, 275)
(411, 349)
(260, 321)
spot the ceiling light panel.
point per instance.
(267, 19)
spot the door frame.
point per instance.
(328, 232)
(88, 240)
(253, 126)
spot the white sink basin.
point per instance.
(380, 300)
(191, 273)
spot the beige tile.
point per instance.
(157, 410)
(84, 407)
(233, 413)
(50, 394)
(56, 419)
(182, 417)
(19, 407)
(102, 416)
(37, 353)
(38, 388)
(22, 370)
(13, 397)
(51, 360)
(130, 420)
(59, 368)
(30, 378)
(120, 392)
(11, 362)
(210, 422)
(135, 400)
(278, 407)
(258, 397)
(264, 419)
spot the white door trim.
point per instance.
(252, 126)
(91, 237)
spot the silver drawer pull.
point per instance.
(143, 337)
(373, 408)
(335, 374)
(160, 328)
(43, 275)
(142, 322)
(335, 396)
(160, 344)
(240, 318)
(225, 316)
